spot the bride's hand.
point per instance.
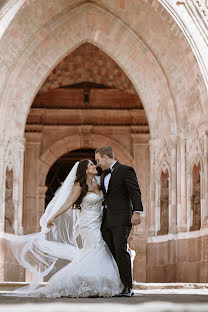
(50, 223)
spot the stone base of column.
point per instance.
(204, 223)
(182, 228)
(173, 229)
(151, 231)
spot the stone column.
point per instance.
(18, 185)
(201, 195)
(204, 212)
(138, 240)
(181, 186)
(173, 190)
(157, 202)
(11, 157)
(31, 173)
(152, 194)
(2, 183)
(189, 193)
(41, 201)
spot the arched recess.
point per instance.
(196, 162)
(98, 26)
(164, 168)
(77, 141)
(9, 204)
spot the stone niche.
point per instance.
(196, 199)
(164, 203)
(9, 205)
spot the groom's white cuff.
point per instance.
(138, 211)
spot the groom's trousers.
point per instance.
(116, 239)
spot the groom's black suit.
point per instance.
(122, 198)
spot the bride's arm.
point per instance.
(75, 193)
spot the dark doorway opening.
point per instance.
(60, 169)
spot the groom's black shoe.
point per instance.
(127, 292)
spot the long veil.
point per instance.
(39, 252)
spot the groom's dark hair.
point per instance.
(106, 150)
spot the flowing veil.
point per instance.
(39, 252)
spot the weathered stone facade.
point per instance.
(146, 97)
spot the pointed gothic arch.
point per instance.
(40, 58)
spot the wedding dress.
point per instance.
(75, 238)
(93, 270)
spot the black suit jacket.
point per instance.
(123, 196)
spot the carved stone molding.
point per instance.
(197, 6)
(192, 18)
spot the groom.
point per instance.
(122, 206)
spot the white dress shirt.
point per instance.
(107, 177)
(107, 180)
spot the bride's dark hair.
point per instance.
(81, 178)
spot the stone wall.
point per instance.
(183, 258)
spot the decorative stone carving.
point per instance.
(203, 8)
(192, 17)
(162, 153)
(11, 157)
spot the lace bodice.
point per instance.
(92, 202)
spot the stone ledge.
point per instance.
(4, 286)
(146, 286)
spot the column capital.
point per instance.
(33, 137)
(42, 190)
(140, 138)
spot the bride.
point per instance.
(71, 232)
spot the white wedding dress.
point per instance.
(93, 271)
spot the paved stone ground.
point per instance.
(147, 302)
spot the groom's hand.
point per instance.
(136, 219)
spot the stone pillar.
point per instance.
(2, 255)
(31, 175)
(157, 203)
(41, 201)
(18, 185)
(138, 240)
(11, 157)
(204, 211)
(173, 190)
(181, 186)
(2, 183)
(152, 194)
(189, 193)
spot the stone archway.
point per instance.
(77, 141)
(38, 165)
(36, 170)
(135, 59)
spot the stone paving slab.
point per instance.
(138, 303)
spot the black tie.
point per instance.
(107, 171)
